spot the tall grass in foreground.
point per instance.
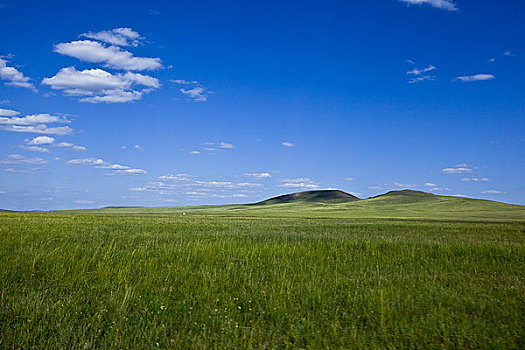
(130, 281)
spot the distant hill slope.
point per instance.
(321, 196)
(404, 204)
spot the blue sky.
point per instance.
(167, 103)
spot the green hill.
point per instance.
(322, 196)
(405, 204)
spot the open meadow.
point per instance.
(137, 280)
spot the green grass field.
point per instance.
(281, 276)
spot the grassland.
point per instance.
(262, 278)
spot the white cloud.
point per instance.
(97, 85)
(41, 140)
(422, 78)
(507, 53)
(430, 184)
(475, 179)
(226, 145)
(299, 184)
(458, 169)
(419, 74)
(194, 152)
(86, 161)
(287, 144)
(138, 147)
(34, 119)
(448, 5)
(112, 166)
(138, 189)
(475, 77)
(349, 179)
(101, 164)
(178, 177)
(8, 113)
(417, 71)
(72, 146)
(357, 194)
(259, 175)
(109, 56)
(13, 77)
(197, 94)
(493, 192)
(492, 60)
(118, 36)
(36, 149)
(184, 82)
(127, 172)
(23, 165)
(36, 123)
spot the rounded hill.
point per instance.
(321, 196)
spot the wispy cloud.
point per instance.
(475, 179)
(420, 75)
(195, 92)
(448, 5)
(287, 144)
(494, 192)
(303, 183)
(259, 175)
(36, 123)
(475, 77)
(13, 77)
(16, 163)
(118, 169)
(458, 169)
(118, 36)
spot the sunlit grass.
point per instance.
(145, 281)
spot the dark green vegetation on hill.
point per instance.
(222, 281)
(321, 196)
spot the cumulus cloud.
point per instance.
(41, 140)
(13, 77)
(8, 113)
(36, 123)
(448, 5)
(109, 56)
(475, 77)
(98, 85)
(259, 175)
(119, 36)
(287, 144)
